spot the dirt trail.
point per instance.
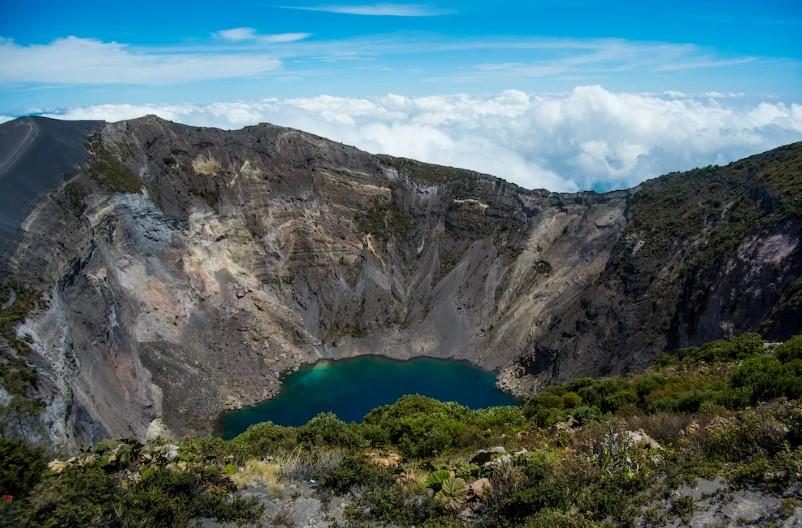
(17, 151)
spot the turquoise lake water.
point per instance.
(352, 387)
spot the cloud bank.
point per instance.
(590, 138)
(74, 60)
(243, 52)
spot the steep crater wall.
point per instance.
(181, 270)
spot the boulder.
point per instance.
(641, 439)
(567, 425)
(484, 456)
(480, 488)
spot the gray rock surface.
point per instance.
(717, 504)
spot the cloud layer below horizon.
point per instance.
(589, 138)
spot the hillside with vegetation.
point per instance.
(710, 436)
(705, 253)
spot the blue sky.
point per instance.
(562, 94)
(370, 49)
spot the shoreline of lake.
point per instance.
(350, 387)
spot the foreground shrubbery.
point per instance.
(593, 452)
(730, 375)
(125, 485)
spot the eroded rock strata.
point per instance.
(178, 271)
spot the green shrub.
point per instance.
(571, 400)
(683, 507)
(374, 435)
(738, 347)
(550, 406)
(766, 377)
(353, 470)
(425, 435)
(263, 439)
(77, 497)
(498, 418)
(207, 448)
(327, 429)
(394, 504)
(21, 467)
(88, 496)
(608, 394)
(422, 426)
(173, 498)
(754, 435)
(540, 488)
(596, 475)
(790, 350)
(550, 518)
(585, 414)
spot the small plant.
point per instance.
(683, 507)
(550, 518)
(436, 478)
(452, 493)
(787, 507)
(353, 470)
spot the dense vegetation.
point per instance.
(611, 451)
(16, 377)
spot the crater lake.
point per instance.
(351, 387)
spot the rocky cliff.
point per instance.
(161, 273)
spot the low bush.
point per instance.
(89, 496)
(550, 518)
(21, 468)
(745, 374)
(739, 347)
(326, 429)
(394, 504)
(421, 426)
(77, 497)
(267, 439)
(353, 470)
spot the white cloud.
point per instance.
(4, 118)
(236, 34)
(381, 9)
(74, 60)
(588, 138)
(283, 37)
(561, 57)
(246, 34)
(704, 62)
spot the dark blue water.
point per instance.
(352, 387)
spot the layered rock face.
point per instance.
(178, 271)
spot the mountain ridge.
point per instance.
(180, 270)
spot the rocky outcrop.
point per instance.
(183, 269)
